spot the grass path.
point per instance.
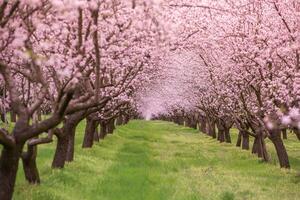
(159, 160)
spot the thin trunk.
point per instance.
(9, 163)
(111, 126)
(3, 117)
(297, 132)
(193, 124)
(212, 129)
(227, 135)
(283, 158)
(221, 135)
(13, 116)
(29, 165)
(71, 143)
(103, 130)
(60, 152)
(89, 133)
(259, 148)
(264, 151)
(255, 146)
(119, 120)
(180, 121)
(245, 141)
(96, 134)
(203, 126)
(239, 139)
(284, 134)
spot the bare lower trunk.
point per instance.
(71, 143)
(239, 139)
(297, 132)
(60, 152)
(245, 141)
(275, 136)
(3, 117)
(29, 165)
(180, 120)
(212, 129)
(111, 126)
(202, 125)
(96, 133)
(13, 116)
(103, 130)
(227, 135)
(89, 133)
(9, 163)
(259, 148)
(221, 135)
(119, 120)
(284, 134)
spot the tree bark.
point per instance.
(13, 116)
(284, 134)
(119, 120)
(30, 166)
(60, 152)
(3, 117)
(245, 141)
(221, 135)
(90, 130)
(96, 133)
(9, 163)
(212, 129)
(239, 139)
(103, 130)
(255, 146)
(111, 126)
(259, 148)
(275, 136)
(297, 132)
(71, 143)
(202, 125)
(227, 135)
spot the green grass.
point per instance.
(150, 160)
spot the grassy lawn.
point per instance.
(160, 160)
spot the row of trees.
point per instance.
(62, 62)
(234, 64)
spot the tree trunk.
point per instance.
(111, 126)
(221, 135)
(193, 124)
(203, 126)
(71, 142)
(3, 117)
(264, 151)
(275, 136)
(227, 135)
(255, 146)
(245, 141)
(29, 165)
(259, 148)
(180, 121)
(96, 133)
(103, 130)
(13, 116)
(119, 120)
(69, 130)
(60, 152)
(297, 132)
(239, 139)
(9, 163)
(89, 133)
(212, 129)
(284, 134)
